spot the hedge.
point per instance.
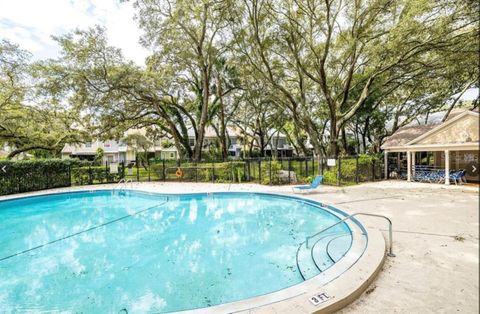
(95, 174)
(33, 175)
(348, 170)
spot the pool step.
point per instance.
(315, 259)
(305, 264)
(339, 246)
(319, 254)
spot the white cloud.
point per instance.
(31, 23)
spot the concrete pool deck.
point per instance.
(436, 240)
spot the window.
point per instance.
(88, 144)
(191, 142)
(171, 155)
(106, 144)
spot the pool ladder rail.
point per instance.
(390, 231)
(305, 244)
(122, 184)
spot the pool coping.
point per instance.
(344, 288)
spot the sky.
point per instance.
(31, 23)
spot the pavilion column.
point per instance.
(413, 163)
(409, 166)
(385, 161)
(399, 163)
(447, 166)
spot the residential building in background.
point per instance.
(119, 151)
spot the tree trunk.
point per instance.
(344, 141)
(223, 137)
(262, 143)
(455, 101)
(28, 148)
(333, 132)
(197, 154)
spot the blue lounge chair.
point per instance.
(316, 182)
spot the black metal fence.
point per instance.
(339, 171)
(45, 174)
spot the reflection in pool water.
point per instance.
(145, 254)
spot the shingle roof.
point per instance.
(406, 134)
(410, 132)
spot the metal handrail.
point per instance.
(390, 232)
(125, 182)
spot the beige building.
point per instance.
(451, 147)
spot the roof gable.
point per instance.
(462, 128)
(406, 134)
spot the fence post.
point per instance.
(149, 178)
(306, 167)
(339, 170)
(313, 165)
(244, 170)
(163, 170)
(231, 172)
(138, 172)
(259, 171)
(373, 169)
(356, 170)
(90, 179)
(321, 165)
(289, 169)
(213, 171)
(70, 173)
(270, 172)
(179, 163)
(196, 171)
(106, 171)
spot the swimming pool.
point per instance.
(131, 251)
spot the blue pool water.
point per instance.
(135, 252)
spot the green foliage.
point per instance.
(221, 172)
(33, 175)
(248, 64)
(42, 124)
(349, 169)
(270, 173)
(94, 174)
(99, 154)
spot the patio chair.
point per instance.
(456, 176)
(316, 182)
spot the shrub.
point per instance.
(33, 175)
(349, 169)
(95, 174)
(202, 172)
(274, 167)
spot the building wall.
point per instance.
(130, 155)
(462, 131)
